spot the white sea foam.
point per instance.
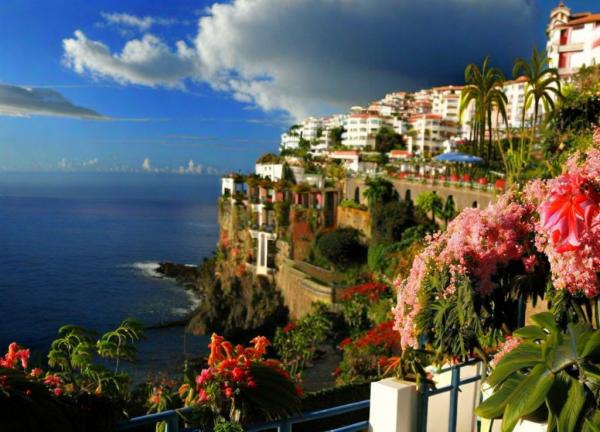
(148, 268)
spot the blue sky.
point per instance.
(107, 85)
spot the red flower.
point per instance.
(345, 342)
(228, 392)
(57, 391)
(202, 395)
(28, 392)
(251, 384)
(237, 374)
(567, 212)
(288, 328)
(36, 372)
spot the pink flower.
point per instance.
(202, 395)
(228, 392)
(204, 377)
(505, 347)
(529, 263)
(52, 380)
(57, 391)
(567, 212)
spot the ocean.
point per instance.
(80, 248)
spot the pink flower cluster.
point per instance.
(569, 228)
(507, 346)
(475, 245)
(14, 356)
(558, 218)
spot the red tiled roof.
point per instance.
(585, 20)
(401, 154)
(344, 153)
(426, 116)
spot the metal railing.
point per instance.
(172, 419)
(453, 388)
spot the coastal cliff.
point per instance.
(236, 302)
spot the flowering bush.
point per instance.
(239, 383)
(367, 356)
(463, 289)
(358, 300)
(297, 342)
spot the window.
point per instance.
(563, 61)
(564, 37)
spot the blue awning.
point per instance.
(459, 158)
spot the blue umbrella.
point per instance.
(459, 157)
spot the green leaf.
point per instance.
(526, 355)
(530, 332)
(528, 396)
(592, 424)
(493, 407)
(592, 347)
(569, 414)
(545, 320)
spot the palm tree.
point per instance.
(543, 83)
(379, 190)
(484, 88)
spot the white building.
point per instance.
(309, 129)
(573, 40)
(274, 171)
(429, 131)
(361, 129)
(445, 101)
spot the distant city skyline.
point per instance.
(204, 87)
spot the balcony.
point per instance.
(571, 47)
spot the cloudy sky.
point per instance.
(198, 86)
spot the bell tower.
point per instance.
(560, 15)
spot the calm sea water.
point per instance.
(80, 248)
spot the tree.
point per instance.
(379, 190)
(430, 202)
(335, 136)
(389, 220)
(342, 248)
(483, 87)
(543, 83)
(449, 210)
(387, 139)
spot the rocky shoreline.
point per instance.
(236, 306)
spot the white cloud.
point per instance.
(147, 61)
(147, 165)
(316, 56)
(26, 101)
(141, 23)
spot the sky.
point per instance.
(204, 87)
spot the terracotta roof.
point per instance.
(401, 153)
(449, 87)
(344, 153)
(585, 20)
(519, 80)
(426, 116)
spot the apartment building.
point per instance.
(361, 128)
(573, 40)
(429, 132)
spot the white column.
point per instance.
(393, 406)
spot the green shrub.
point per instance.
(343, 248)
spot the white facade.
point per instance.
(227, 186)
(268, 170)
(573, 40)
(350, 159)
(430, 132)
(445, 101)
(361, 129)
(289, 141)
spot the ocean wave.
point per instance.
(148, 268)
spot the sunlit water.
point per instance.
(80, 249)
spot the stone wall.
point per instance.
(355, 218)
(463, 197)
(299, 291)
